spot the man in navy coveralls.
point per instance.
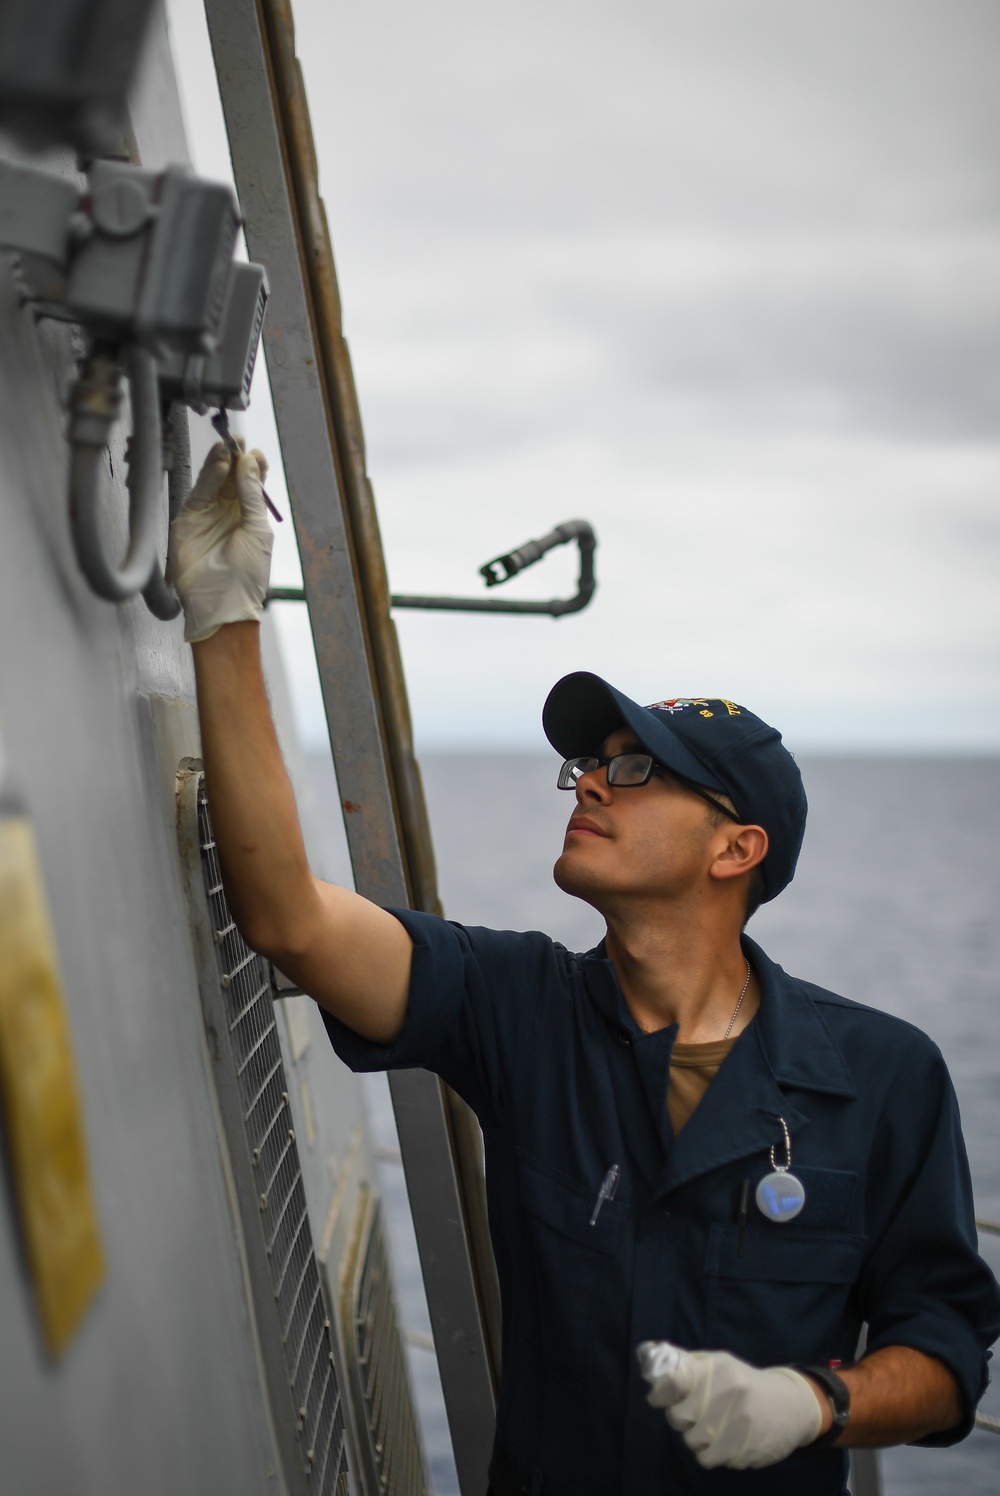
(684, 1144)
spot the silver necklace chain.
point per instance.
(739, 1005)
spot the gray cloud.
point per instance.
(720, 276)
(657, 113)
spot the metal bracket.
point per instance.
(499, 571)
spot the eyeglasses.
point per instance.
(629, 771)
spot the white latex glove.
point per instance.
(730, 1413)
(220, 544)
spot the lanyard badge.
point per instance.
(780, 1196)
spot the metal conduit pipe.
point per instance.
(179, 477)
(159, 597)
(95, 402)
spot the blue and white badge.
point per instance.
(780, 1196)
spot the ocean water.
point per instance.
(896, 903)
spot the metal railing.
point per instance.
(498, 571)
(983, 1421)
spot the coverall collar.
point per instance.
(786, 1047)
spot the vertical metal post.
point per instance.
(866, 1474)
(865, 1478)
(360, 671)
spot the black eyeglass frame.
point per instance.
(652, 767)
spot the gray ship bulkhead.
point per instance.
(164, 1387)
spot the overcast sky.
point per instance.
(722, 277)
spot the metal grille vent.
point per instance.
(252, 342)
(256, 1056)
(378, 1361)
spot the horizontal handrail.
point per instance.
(983, 1421)
(501, 570)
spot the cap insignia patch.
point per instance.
(676, 704)
(685, 703)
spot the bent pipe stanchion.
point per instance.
(95, 403)
(501, 570)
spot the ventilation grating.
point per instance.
(378, 1361)
(256, 1055)
(252, 342)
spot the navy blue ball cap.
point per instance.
(704, 741)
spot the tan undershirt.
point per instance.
(693, 1067)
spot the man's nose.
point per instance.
(593, 787)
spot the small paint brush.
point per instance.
(221, 423)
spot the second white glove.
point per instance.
(220, 544)
(731, 1413)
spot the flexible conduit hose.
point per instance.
(95, 402)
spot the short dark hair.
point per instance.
(756, 887)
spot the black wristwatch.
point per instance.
(840, 1400)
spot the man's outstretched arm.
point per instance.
(347, 953)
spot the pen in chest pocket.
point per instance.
(741, 1216)
(606, 1192)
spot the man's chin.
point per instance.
(580, 881)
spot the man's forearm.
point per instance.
(897, 1395)
(254, 817)
(351, 956)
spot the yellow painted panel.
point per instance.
(40, 1101)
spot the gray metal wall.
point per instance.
(160, 1390)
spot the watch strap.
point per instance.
(839, 1394)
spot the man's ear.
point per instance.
(746, 847)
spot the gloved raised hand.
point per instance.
(730, 1413)
(220, 544)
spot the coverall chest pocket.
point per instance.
(784, 1294)
(573, 1261)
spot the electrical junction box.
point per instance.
(66, 67)
(223, 377)
(141, 257)
(154, 256)
(143, 262)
